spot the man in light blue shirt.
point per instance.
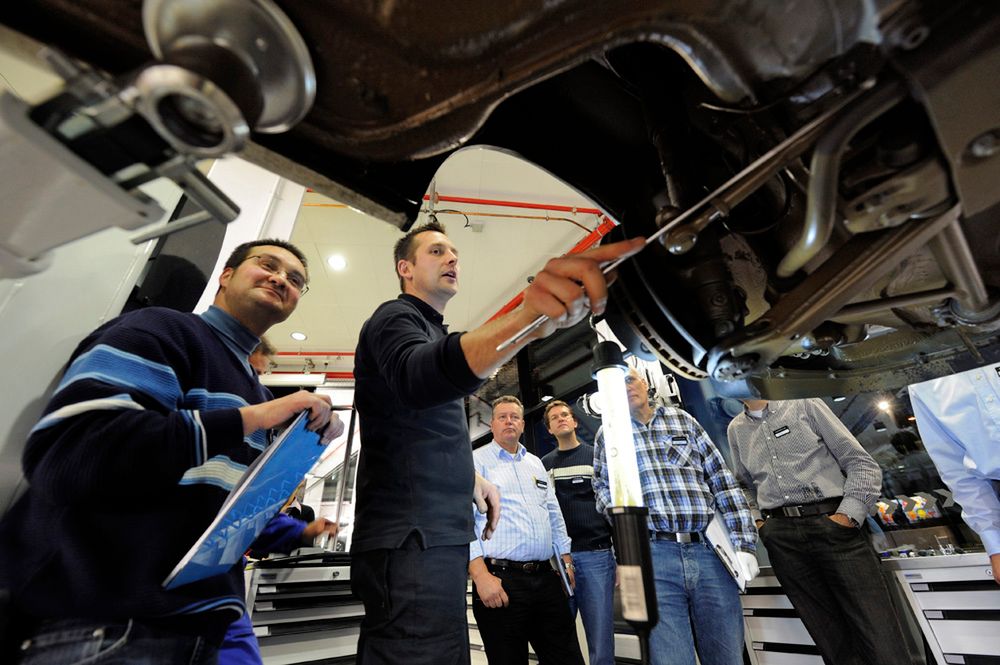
(518, 598)
(959, 421)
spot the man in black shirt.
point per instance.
(571, 468)
(415, 475)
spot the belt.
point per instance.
(692, 537)
(519, 566)
(824, 507)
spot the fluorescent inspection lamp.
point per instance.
(628, 515)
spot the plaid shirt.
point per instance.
(683, 478)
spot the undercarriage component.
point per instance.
(907, 195)
(971, 304)
(862, 311)
(947, 74)
(824, 171)
(681, 234)
(908, 358)
(822, 294)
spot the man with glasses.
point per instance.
(571, 470)
(166, 402)
(416, 481)
(684, 481)
(517, 597)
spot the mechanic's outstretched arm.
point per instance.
(566, 290)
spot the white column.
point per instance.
(269, 205)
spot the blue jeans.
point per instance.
(699, 607)
(594, 597)
(71, 641)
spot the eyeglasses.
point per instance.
(273, 265)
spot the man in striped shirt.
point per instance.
(814, 486)
(684, 480)
(167, 401)
(571, 470)
(517, 597)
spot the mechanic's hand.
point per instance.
(490, 590)
(487, 498)
(750, 564)
(842, 520)
(317, 527)
(570, 287)
(279, 411)
(995, 562)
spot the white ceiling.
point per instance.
(497, 254)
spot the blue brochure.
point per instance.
(257, 497)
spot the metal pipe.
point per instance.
(863, 309)
(952, 252)
(821, 207)
(193, 219)
(342, 483)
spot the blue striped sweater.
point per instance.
(132, 458)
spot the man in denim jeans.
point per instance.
(571, 469)
(684, 481)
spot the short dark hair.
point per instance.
(240, 254)
(553, 404)
(406, 247)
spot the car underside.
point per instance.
(823, 174)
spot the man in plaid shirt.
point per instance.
(684, 479)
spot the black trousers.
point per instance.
(832, 576)
(415, 605)
(538, 613)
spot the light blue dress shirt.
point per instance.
(959, 421)
(530, 518)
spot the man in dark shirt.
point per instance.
(415, 476)
(571, 468)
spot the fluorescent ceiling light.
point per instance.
(299, 336)
(337, 262)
